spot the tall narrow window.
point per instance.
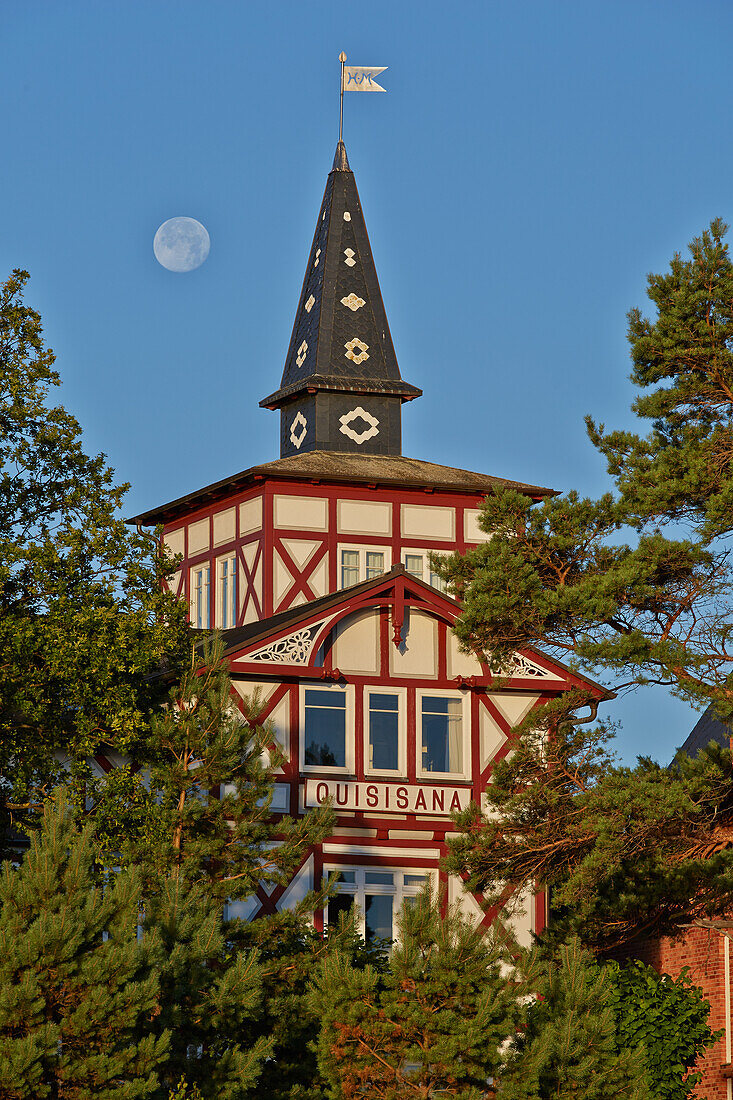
(442, 734)
(227, 592)
(384, 732)
(200, 597)
(349, 567)
(374, 563)
(325, 728)
(414, 565)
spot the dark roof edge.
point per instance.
(237, 481)
(316, 382)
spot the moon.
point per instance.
(181, 244)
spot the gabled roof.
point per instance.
(708, 728)
(340, 306)
(321, 611)
(342, 468)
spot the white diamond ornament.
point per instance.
(349, 254)
(302, 352)
(309, 304)
(353, 302)
(359, 414)
(357, 350)
(298, 430)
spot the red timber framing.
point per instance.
(284, 559)
(392, 633)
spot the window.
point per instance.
(417, 565)
(442, 734)
(379, 895)
(325, 728)
(349, 567)
(384, 731)
(200, 597)
(227, 592)
(359, 564)
(413, 565)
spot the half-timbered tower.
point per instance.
(315, 566)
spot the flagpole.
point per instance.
(342, 59)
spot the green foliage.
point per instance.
(208, 992)
(196, 821)
(183, 1092)
(431, 1024)
(291, 951)
(77, 987)
(624, 851)
(199, 807)
(83, 617)
(668, 1017)
(569, 1044)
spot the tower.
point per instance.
(316, 568)
(341, 388)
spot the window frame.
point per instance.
(401, 693)
(231, 558)
(204, 566)
(360, 888)
(347, 692)
(427, 577)
(465, 699)
(362, 550)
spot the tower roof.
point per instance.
(341, 343)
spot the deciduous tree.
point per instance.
(84, 620)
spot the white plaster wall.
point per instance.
(307, 513)
(280, 716)
(471, 530)
(364, 517)
(428, 522)
(492, 738)
(469, 907)
(198, 536)
(301, 550)
(225, 526)
(514, 705)
(461, 664)
(301, 884)
(356, 644)
(250, 516)
(417, 654)
(282, 578)
(174, 541)
(318, 580)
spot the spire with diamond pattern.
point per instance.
(341, 389)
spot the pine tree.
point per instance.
(568, 1044)
(196, 819)
(431, 1025)
(78, 987)
(291, 951)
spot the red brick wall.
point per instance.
(702, 951)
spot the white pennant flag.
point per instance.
(360, 78)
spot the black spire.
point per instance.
(341, 389)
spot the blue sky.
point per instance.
(530, 164)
